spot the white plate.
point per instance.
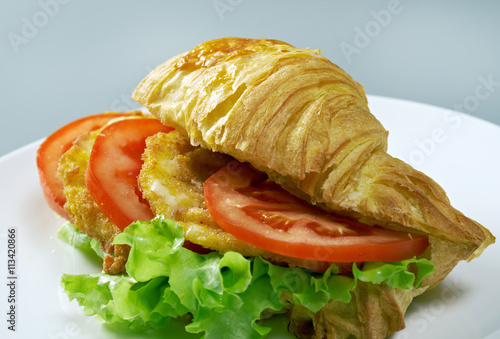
(460, 152)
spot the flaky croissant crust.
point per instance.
(297, 116)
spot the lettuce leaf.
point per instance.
(73, 236)
(395, 274)
(224, 295)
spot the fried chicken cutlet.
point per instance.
(83, 211)
(172, 179)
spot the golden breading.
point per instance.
(172, 180)
(83, 211)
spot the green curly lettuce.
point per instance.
(224, 295)
(70, 234)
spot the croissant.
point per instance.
(304, 121)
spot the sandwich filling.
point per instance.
(170, 176)
(226, 206)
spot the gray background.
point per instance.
(63, 59)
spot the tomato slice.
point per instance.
(263, 214)
(54, 146)
(114, 165)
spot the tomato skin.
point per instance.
(113, 168)
(51, 150)
(263, 214)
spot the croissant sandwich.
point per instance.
(259, 184)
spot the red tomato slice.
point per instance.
(114, 165)
(54, 146)
(263, 214)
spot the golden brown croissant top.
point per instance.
(297, 116)
(263, 101)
